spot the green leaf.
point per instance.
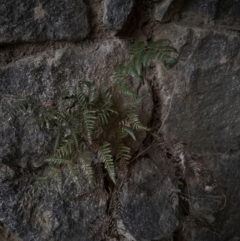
(57, 161)
(89, 120)
(60, 134)
(129, 131)
(137, 47)
(123, 153)
(104, 154)
(91, 90)
(169, 61)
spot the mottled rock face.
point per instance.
(166, 10)
(53, 217)
(148, 212)
(34, 21)
(225, 12)
(204, 111)
(117, 13)
(49, 46)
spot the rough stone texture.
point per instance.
(24, 21)
(198, 103)
(229, 12)
(49, 211)
(224, 12)
(200, 106)
(117, 13)
(204, 109)
(166, 10)
(206, 7)
(227, 220)
(148, 213)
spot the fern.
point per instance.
(85, 157)
(90, 122)
(135, 123)
(105, 156)
(19, 107)
(57, 161)
(123, 153)
(66, 149)
(128, 130)
(60, 134)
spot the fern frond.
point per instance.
(66, 149)
(17, 108)
(89, 120)
(123, 153)
(104, 114)
(60, 134)
(138, 62)
(74, 127)
(149, 56)
(120, 73)
(169, 61)
(91, 90)
(134, 72)
(129, 131)
(57, 161)
(86, 159)
(121, 133)
(135, 122)
(104, 154)
(80, 96)
(73, 170)
(137, 48)
(123, 89)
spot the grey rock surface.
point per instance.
(39, 211)
(197, 102)
(223, 12)
(117, 13)
(164, 11)
(206, 7)
(34, 21)
(148, 212)
(229, 12)
(204, 109)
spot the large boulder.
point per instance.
(148, 212)
(117, 13)
(200, 96)
(33, 21)
(47, 208)
(165, 11)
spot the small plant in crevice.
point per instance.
(92, 123)
(89, 126)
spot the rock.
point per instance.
(117, 13)
(229, 12)
(221, 11)
(226, 168)
(166, 10)
(205, 7)
(204, 109)
(34, 21)
(148, 213)
(6, 173)
(38, 210)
